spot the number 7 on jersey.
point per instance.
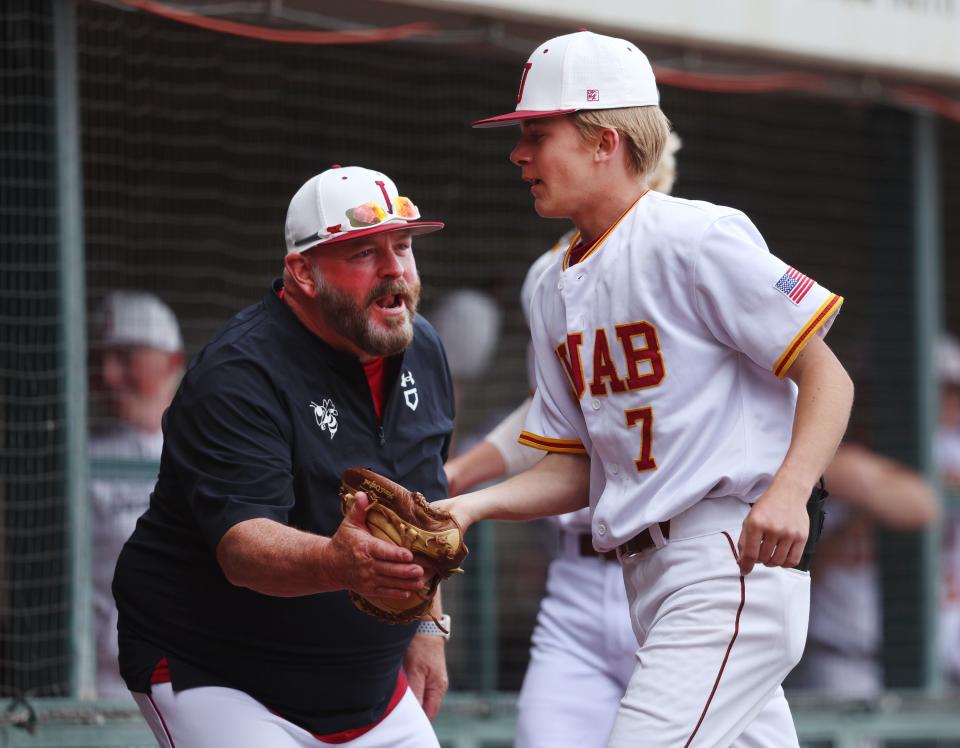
(644, 417)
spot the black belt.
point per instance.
(643, 541)
(587, 549)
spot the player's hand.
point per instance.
(426, 667)
(367, 565)
(457, 506)
(775, 531)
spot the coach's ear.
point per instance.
(300, 273)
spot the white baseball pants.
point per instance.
(582, 656)
(715, 646)
(214, 716)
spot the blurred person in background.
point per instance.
(137, 360)
(947, 453)
(868, 491)
(583, 645)
(947, 440)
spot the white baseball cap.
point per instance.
(347, 202)
(581, 71)
(468, 323)
(136, 318)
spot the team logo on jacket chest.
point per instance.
(325, 415)
(642, 362)
(410, 396)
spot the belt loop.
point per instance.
(660, 533)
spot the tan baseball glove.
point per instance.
(405, 518)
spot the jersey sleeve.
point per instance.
(530, 283)
(554, 415)
(504, 438)
(229, 450)
(754, 302)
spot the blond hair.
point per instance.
(644, 128)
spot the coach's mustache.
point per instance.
(397, 287)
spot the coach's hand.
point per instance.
(775, 531)
(367, 565)
(426, 667)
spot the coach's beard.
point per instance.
(355, 323)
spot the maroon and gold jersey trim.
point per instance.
(819, 317)
(546, 444)
(601, 239)
(566, 253)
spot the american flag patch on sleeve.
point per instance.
(794, 285)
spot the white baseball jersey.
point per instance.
(661, 354)
(116, 505)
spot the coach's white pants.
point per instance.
(214, 717)
(715, 646)
(582, 655)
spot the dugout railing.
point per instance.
(898, 719)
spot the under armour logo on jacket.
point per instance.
(410, 396)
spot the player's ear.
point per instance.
(300, 273)
(608, 143)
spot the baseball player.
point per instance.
(138, 358)
(583, 636)
(235, 624)
(947, 460)
(684, 386)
